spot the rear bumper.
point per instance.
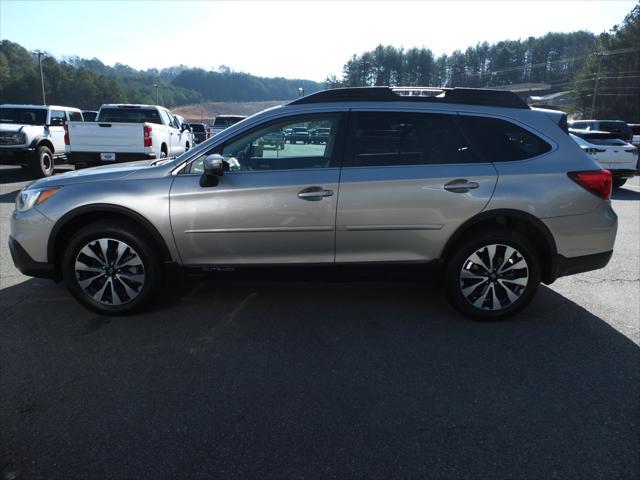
(563, 266)
(92, 159)
(27, 265)
(623, 173)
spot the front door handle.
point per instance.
(313, 194)
(460, 186)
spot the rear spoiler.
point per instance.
(559, 118)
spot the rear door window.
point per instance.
(75, 116)
(406, 138)
(503, 141)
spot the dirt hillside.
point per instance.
(206, 112)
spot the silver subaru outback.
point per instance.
(498, 193)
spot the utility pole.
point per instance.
(595, 87)
(40, 55)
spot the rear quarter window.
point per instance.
(503, 141)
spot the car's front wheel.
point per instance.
(492, 276)
(41, 163)
(111, 267)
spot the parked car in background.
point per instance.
(610, 152)
(89, 115)
(620, 128)
(635, 129)
(200, 132)
(473, 179)
(320, 135)
(222, 122)
(299, 134)
(125, 132)
(275, 138)
(33, 135)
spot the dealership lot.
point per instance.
(350, 374)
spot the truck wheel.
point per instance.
(41, 163)
(163, 152)
(493, 275)
(618, 182)
(112, 268)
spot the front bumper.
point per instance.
(14, 156)
(27, 265)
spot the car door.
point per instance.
(56, 129)
(273, 205)
(409, 180)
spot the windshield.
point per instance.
(129, 115)
(23, 116)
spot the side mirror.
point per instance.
(213, 166)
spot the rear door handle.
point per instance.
(460, 186)
(313, 194)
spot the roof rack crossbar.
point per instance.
(466, 96)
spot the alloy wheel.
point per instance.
(109, 271)
(494, 277)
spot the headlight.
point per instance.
(27, 199)
(14, 138)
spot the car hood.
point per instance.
(129, 170)
(14, 127)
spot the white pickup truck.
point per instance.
(123, 133)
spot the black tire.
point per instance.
(163, 151)
(459, 260)
(140, 249)
(41, 163)
(187, 147)
(618, 182)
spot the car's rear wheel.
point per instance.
(618, 182)
(111, 268)
(492, 276)
(41, 163)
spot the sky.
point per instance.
(292, 39)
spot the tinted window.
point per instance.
(197, 127)
(502, 141)
(226, 121)
(380, 139)
(635, 129)
(23, 116)
(616, 127)
(75, 116)
(581, 125)
(89, 116)
(266, 148)
(58, 118)
(129, 115)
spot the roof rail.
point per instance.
(466, 96)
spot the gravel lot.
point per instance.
(339, 378)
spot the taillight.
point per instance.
(66, 134)
(148, 141)
(208, 133)
(597, 182)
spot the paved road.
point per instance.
(341, 378)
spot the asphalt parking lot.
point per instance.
(353, 376)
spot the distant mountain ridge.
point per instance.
(88, 83)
